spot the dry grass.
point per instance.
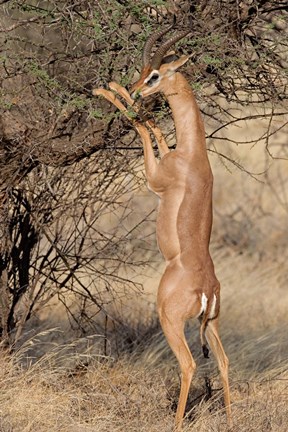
(74, 389)
(82, 392)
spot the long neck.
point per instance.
(190, 134)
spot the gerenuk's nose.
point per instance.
(136, 95)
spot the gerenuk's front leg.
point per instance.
(150, 160)
(161, 142)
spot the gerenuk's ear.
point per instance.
(174, 65)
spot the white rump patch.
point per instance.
(213, 307)
(203, 304)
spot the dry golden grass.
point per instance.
(84, 392)
(72, 388)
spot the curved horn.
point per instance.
(159, 54)
(150, 42)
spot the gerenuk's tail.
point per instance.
(210, 312)
(203, 326)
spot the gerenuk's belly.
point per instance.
(166, 227)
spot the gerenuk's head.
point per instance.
(158, 70)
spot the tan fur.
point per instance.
(183, 180)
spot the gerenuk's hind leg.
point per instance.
(173, 328)
(213, 339)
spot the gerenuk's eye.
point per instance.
(153, 79)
